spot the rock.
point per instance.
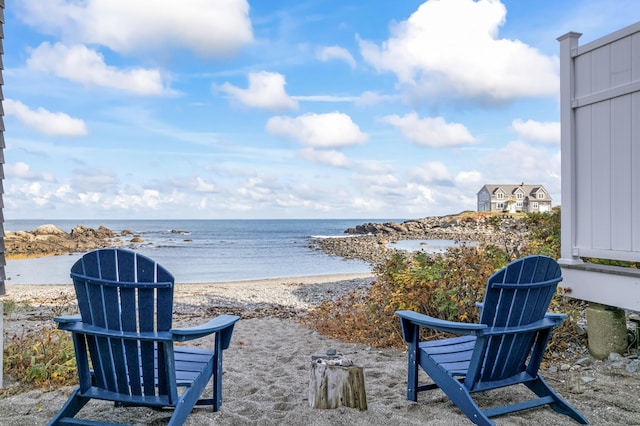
(83, 232)
(50, 240)
(177, 231)
(48, 230)
(584, 362)
(614, 356)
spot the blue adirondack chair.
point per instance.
(504, 349)
(124, 340)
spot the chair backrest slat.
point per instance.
(120, 290)
(517, 295)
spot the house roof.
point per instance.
(528, 190)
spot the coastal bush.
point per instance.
(445, 286)
(544, 233)
(39, 359)
(42, 357)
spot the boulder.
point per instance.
(50, 240)
(48, 230)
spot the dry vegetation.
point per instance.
(446, 286)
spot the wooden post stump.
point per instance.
(332, 384)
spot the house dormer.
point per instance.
(539, 194)
(518, 193)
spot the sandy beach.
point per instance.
(266, 368)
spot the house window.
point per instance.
(519, 204)
(540, 195)
(534, 205)
(500, 205)
(519, 196)
(499, 195)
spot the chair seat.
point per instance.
(453, 355)
(190, 363)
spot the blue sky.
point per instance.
(214, 109)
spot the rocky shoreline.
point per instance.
(368, 242)
(49, 240)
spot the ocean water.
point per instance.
(207, 250)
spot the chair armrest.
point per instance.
(549, 321)
(555, 316)
(68, 319)
(92, 330)
(221, 323)
(421, 320)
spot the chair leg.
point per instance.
(73, 405)
(190, 397)
(458, 394)
(217, 373)
(463, 400)
(541, 388)
(412, 380)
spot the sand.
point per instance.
(266, 369)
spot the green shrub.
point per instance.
(39, 359)
(445, 286)
(544, 233)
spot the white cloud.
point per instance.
(98, 181)
(204, 186)
(31, 195)
(387, 187)
(331, 130)
(211, 28)
(432, 132)
(329, 53)
(370, 98)
(372, 204)
(433, 171)
(420, 194)
(255, 189)
(469, 179)
(23, 171)
(546, 132)
(330, 157)
(46, 122)
(149, 199)
(91, 199)
(453, 46)
(62, 191)
(83, 65)
(521, 162)
(325, 98)
(266, 91)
